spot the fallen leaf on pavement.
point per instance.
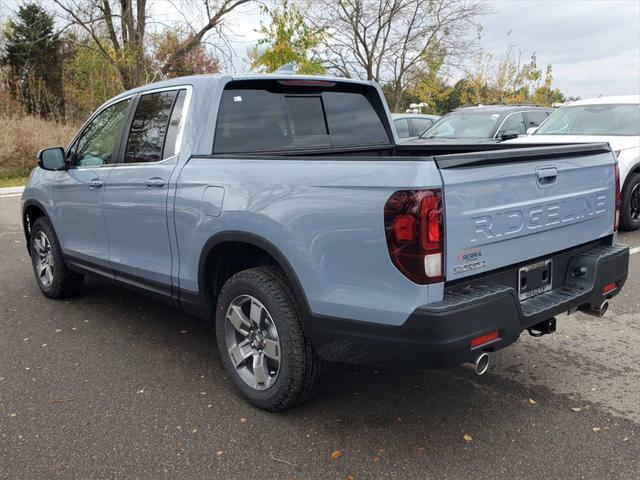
(141, 391)
(242, 419)
(532, 401)
(336, 455)
(467, 438)
(575, 409)
(596, 429)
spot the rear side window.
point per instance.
(402, 127)
(149, 127)
(261, 119)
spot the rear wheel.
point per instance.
(53, 277)
(261, 340)
(630, 208)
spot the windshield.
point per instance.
(464, 125)
(593, 120)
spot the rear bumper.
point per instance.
(439, 335)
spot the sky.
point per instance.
(592, 45)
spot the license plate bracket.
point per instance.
(535, 279)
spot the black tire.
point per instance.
(630, 208)
(300, 368)
(64, 282)
(630, 203)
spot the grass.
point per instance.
(13, 181)
(21, 137)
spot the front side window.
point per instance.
(273, 117)
(514, 123)
(149, 127)
(536, 118)
(615, 119)
(98, 140)
(420, 125)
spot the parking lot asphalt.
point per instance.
(111, 385)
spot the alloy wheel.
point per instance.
(44, 259)
(252, 341)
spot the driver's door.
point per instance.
(78, 192)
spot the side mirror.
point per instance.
(530, 130)
(509, 135)
(51, 158)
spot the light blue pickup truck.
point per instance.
(283, 208)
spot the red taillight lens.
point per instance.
(405, 228)
(609, 288)
(414, 231)
(616, 222)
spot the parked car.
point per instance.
(412, 125)
(615, 120)
(283, 209)
(486, 123)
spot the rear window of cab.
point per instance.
(271, 116)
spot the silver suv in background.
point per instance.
(485, 124)
(412, 125)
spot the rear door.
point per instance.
(507, 207)
(136, 193)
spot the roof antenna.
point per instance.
(288, 69)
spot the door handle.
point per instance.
(547, 176)
(95, 183)
(155, 182)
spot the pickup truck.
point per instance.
(283, 209)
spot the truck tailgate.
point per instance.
(506, 207)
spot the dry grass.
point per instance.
(20, 139)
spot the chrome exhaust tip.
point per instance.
(481, 363)
(598, 311)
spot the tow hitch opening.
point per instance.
(543, 328)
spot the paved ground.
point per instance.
(111, 385)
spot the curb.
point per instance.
(11, 191)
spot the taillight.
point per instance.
(415, 236)
(616, 222)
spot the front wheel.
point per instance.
(261, 340)
(630, 208)
(54, 278)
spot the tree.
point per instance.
(388, 40)
(89, 80)
(32, 57)
(287, 39)
(196, 61)
(118, 29)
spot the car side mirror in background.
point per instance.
(51, 158)
(508, 135)
(530, 130)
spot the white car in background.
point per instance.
(615, 120)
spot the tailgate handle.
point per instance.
(547, 176)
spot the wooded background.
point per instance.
(60, 59)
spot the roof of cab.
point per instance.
(619, 99)
(225, 78)
(498, 109)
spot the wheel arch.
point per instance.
(256, 244)
(31, 211)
